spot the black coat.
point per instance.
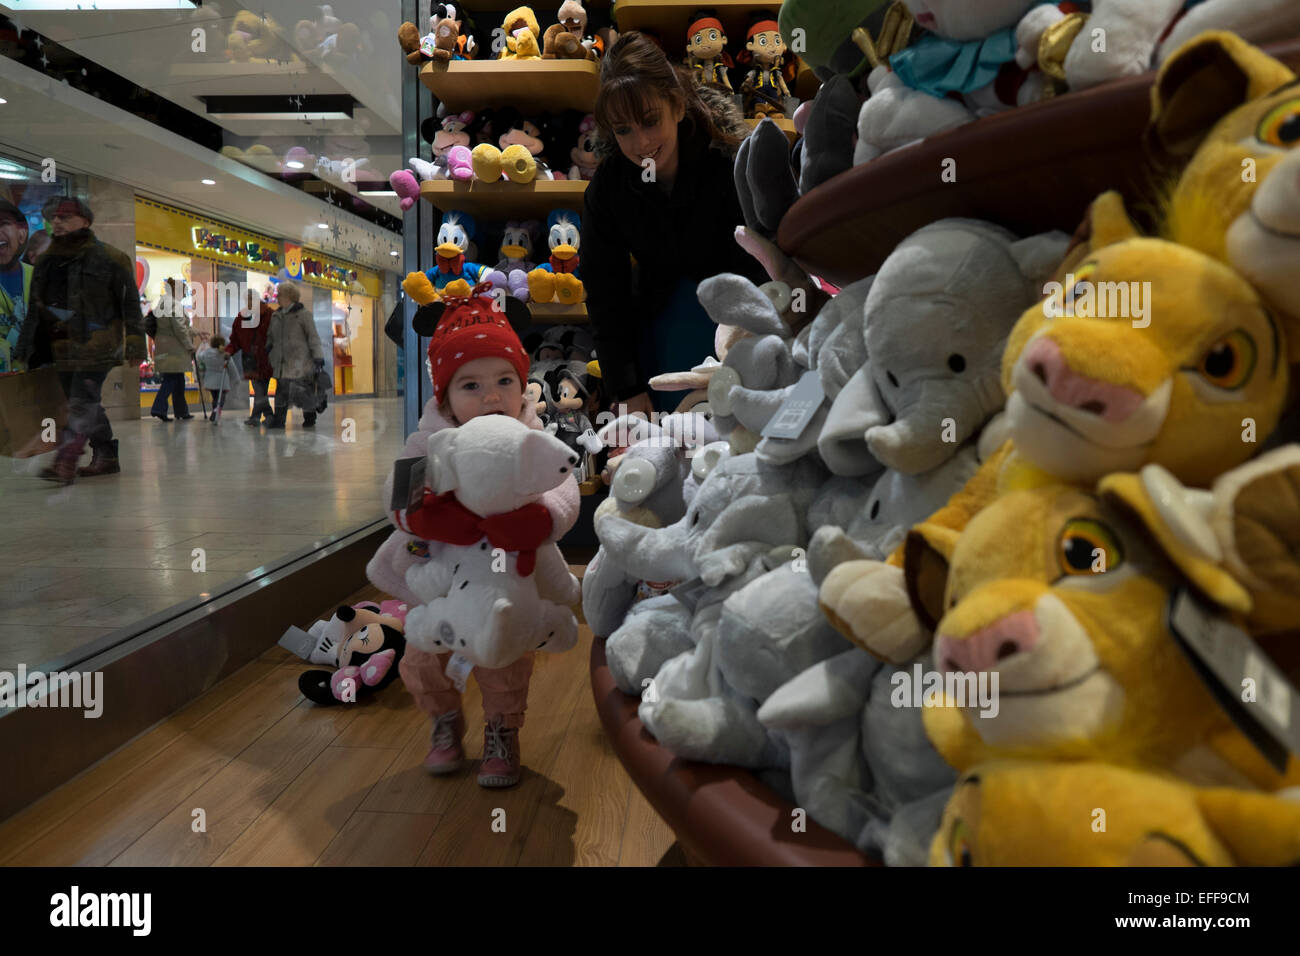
(85, 307)
(686, 235)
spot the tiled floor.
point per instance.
(105, 552)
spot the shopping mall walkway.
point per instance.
(281, 781)
(105, 552)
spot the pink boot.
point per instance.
(500, 766)
(460, 163)
(446, 754)
(404, 184)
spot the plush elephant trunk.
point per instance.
(932, 428)
(653, 554)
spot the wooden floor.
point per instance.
(253, 774)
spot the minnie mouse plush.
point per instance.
(368, 641)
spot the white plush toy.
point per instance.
(492, 591)
(1127, 37)
(970, 53)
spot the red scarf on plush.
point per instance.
(564, 265)
(443, 518)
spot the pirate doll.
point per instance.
(764, 89)
(706, 51)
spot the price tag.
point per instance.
(1249, 686)
(798, 409)
(458, 669)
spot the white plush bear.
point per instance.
(492, 591)
(949, 77)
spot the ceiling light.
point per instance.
(293, 164)
(377, 192)
(208, 182)
(322, 225)
(314, 115)
(3, 101)
(393, 253)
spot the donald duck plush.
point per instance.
(454, 234)
(558, 279)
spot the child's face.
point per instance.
(485, 386)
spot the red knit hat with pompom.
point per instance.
(470, 328)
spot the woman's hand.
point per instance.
(637, 404)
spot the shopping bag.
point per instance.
(32, 409)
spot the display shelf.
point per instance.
(787, 127)
(552, 313)
(1029, 169)
(592, 486)
(505, 200)
(669, 18)
(531, 86)
(723, 816)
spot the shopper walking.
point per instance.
(296, 356)
(84, 319)
(173, 352)
(664, 194)
(218, 373)
(248, 338)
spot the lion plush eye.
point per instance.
(1281, 127)
(1230, 362)
(960, 844)
(1088, 547)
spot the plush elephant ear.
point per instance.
(442, 470)
(753, 518)
(732, 299)
(426, 318)
(1200, 84)
(1039, 257)
(926, 557)
(1176, 517)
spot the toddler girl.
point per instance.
(216, 377)
(478, 367)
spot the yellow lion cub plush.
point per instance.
(1232, 114)
(1064, 596)
(1191, 377)
(1012, 813)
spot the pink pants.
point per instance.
(505, 689)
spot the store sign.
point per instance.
(327, 271)
(320, 269)
(249, 251)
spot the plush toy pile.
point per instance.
(941, 563)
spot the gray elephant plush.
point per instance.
(860, 765)
(648, 485)
(740, 513)
(935, 323)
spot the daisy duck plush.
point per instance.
(965, 67)
(454, 234)
(559, 279)
(517, 256)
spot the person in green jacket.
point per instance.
(15, 282)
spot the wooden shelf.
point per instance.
(787, 127)
(1029, 169)
(592, 486)
(505, 200)
(552, 313)
(670, 18)
(531, 86)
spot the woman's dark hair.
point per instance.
(634, 73)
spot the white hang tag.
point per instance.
(1250, 687)
(458, 669)
(798, 409)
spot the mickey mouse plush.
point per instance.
(569, 423)
(370, 641)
